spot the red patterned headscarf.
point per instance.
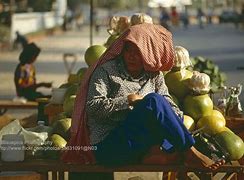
(156, 47)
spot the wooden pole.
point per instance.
(91, 22)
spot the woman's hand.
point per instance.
(134, 98)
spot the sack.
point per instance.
(208, 145)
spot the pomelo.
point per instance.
(58, 141)
(62, 127)
(111, 39)
(189, 123)
(232, 143)
(218, 114)
(65, 85)
(80, 73)
(68, 105)
(212, 124)
(93, 53)
(198, 106)
(57, 117)
(73, 78)
(71, 90)
(177, 83)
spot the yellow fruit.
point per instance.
(93, 53)
(68, 105)
(189, 123)
(65, 85)
(73, 78)
(232, 143)
(227, 129)
(111, 39)
(198, 106)
(62, 128)
(80, 73)
(212, 124)
(177, 83)
(219, 114)
(58, 141)
(71, 90)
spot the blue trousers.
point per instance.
(151, 122)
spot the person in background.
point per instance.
(25, 74)
(164, 18)
(20, 39)
(185, 18)
(124, 109)
(174, 16)
(200, 16)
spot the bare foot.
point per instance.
(197, 159)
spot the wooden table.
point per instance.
(58, 168)
(9, 104)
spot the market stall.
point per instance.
(190, 89)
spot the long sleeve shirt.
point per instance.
(107, 104)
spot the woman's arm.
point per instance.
(43, 84)
(99, 100)
(162, 89)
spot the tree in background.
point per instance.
(116, 4)
(40, 5)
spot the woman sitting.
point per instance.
(124, 109)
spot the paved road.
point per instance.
(222, 43)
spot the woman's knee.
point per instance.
(153, 96)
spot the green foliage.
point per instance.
(111, 4)
(205, 65)
(40, 5)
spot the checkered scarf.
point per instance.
(156, 47)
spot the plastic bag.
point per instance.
(32, 138)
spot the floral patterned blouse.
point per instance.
(109, 87)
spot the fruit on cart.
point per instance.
(182, 59)
(232, 143)
(62, 127)
(189, 123)
(73, 78)
(111, 39)
(177, 83)
(65, 85)
(93, 53)
(139, 18)
(68, 105)
(199, 83)
(198, 106)
(81, 73)
(212, 124)
(205, 65)
(218, 114)
(57, 117)
(71, 90)
(58, 141)
(53, 147)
